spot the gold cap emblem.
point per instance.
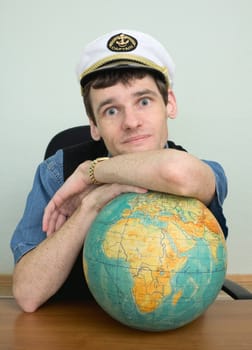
(122, 43)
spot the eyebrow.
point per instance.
(145, 92)
(104, 103)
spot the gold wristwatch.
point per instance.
(92, 168)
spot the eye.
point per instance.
(111, 111)
(145, 101)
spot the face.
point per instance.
(133, 117)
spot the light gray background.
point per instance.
(210, 41)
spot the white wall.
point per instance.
(210, 41)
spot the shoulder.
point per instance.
(51, 169)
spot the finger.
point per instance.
(50, 208)
(60, 221)
(51, 226)
(51, 214)
(135, 189)
(119, 188)
(108, 192)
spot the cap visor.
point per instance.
(118, 64)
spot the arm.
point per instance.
(42, 271)
(165, 170)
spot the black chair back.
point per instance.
(68, 137)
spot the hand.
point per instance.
(74, 192)
(60, 208)
(67, 199)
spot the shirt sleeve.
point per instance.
(48, 179)
(221, 190)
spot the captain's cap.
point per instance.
(125, 49)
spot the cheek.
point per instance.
(162, 130)
(111, 147)
(110, 140)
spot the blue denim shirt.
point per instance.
(49, 178)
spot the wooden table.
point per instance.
(227, 324)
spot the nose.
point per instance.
(131, 119)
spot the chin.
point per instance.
(140, 148)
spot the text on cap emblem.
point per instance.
(122, 42)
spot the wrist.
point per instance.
(91, 171)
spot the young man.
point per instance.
(126, 80)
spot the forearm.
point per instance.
(42, 271)
(169, 171)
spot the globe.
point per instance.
(154, 261)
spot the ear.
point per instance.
(94, 131)
(172, 105)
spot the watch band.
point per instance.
(92, 168)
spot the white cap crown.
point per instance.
(122, 49)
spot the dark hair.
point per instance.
(109, 78)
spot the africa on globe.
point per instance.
(155, 261)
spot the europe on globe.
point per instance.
(155, 261)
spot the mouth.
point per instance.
(135, 139)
